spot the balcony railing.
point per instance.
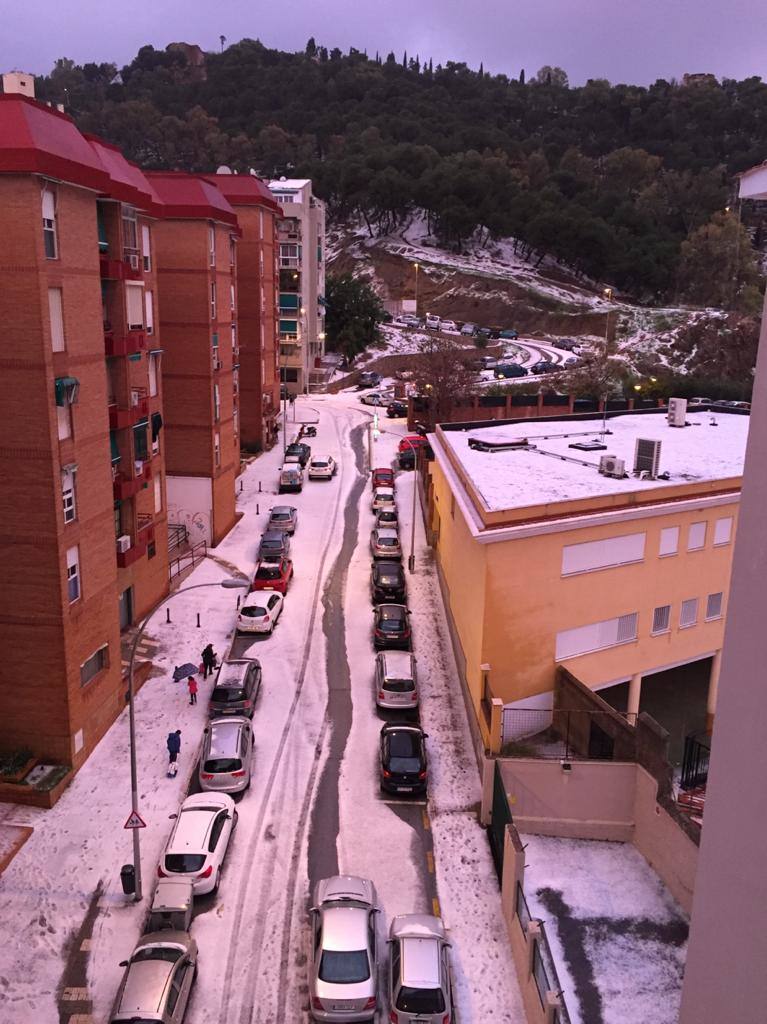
(120, 270)
(128, 345)
(125, 486)
(120, 417)
(290, 262)
(132, 554)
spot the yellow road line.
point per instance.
(430, 862)
(425, 819)
(435, 907)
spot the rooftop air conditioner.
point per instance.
(677, 412)
(610, 465)
(647, 457)
(123, 544)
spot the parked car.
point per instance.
(483, 332)
(291, 478)
(274, 545)
(509, 335)
(449, 326)
(382, 476)
(404, 767)
(376, 398)
(283, 518)
(396, 409)
(433, 322)
(543, 366)
(158, 979)
(343, 977)
(419, 971)
(699, 401)
(290, 460)
(469, 329)
(260, 613)
(383, 497)
(505, 370)
(368, 379)
(387, 582)
(322, 467)
(740, 405)
(407, 449)
(395, 680)
(391, 627)
(273, 576)
(227, 745)
(303, 451)
(199, 840)
(384, 543)
(566, 343)
(387, 517)
(236, 688)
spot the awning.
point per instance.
(156, 351)
(66, 390)
(156, 425)
(135, 358)
(141, 424)
(289, 326)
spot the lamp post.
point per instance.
(608, 294)
(416, 288)
(411, 556)
(228, 584)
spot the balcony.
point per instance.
(124, 486)
(119, 270)
(127, 556)
(120, 417)
(128, 345)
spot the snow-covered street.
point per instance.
(314, 806)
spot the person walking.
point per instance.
(174, 749)
(192, 684)
(208, 661)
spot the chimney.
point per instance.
(19, 82)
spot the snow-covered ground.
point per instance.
(617, 935)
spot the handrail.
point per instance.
(195, 555)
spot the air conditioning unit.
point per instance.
(139, 466)
(123, 544)
(647, 457)
(611, 465)
(133, 260)
(677, 412)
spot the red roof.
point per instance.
(244, 190)
(36, 139)
(190, 197)
(128, 184)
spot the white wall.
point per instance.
(190, 504)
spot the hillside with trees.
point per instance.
(621, 183)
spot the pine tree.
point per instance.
(404, 59)
(522, 77)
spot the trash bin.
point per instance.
(172, 905)
(128, 879)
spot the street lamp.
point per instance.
(416, 288)
(228, 584)
(411, 557)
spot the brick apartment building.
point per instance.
(197, 255)
(255, 334)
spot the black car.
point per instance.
(368, 379)
(303, 451)
(404, 766)
(396, 409)
(504, 370)
(387, 582)
(543, 366)
(391, 627)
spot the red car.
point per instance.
(383, 478)
(273, 576)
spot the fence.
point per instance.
(177, 535)
(561, 735)
(187, 560)
(697, 751)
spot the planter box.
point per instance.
(18, 793)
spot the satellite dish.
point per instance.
(223, 169)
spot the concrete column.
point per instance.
(713, 689)
(635, 690)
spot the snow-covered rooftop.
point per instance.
(711, 447)
(286, 184)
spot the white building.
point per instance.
(302, 282)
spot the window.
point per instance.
(263, 300)
(260, 223)
(289, 300)
(723, 531)
(130, 234)
(213, 300)
(156, 428)
(68, 493)
(134, 306)
(216, 402)
(689, 613)
(669, 541)
(234, 337)
(211, 245)
(158, 493)
(236, 421)
(149, 306)
(290, 255)
(56, 310)
(661, 619)
(714, 607)
(50, 237)
(73, 574)
(602, 554)
(232, 250)
(597, 636)
(231, 296)
(153, 368)
(261, 263)
(696, 537)
(140, 450)
(146, 247)
(66, 391)
(97, 662)
(217, 448)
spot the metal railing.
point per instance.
(565, 735)
(177, 535)
(549, 973)
(187, 560)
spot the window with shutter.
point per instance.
(723, 531)
(146, 246)
(149, 306)
(50, 237)
(603, 554)
(661, 619)
(217, 448)
(134, 302)
(688, 616)
(696, 537)
(158, 493)
(714, 606)
(56, 310)
(669, 541)
(213, 300)
(596, 636)
(211, 245)
(73, 574)
(68, 493)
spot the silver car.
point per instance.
(383, 497)
(419, 973)
(395, 680)
(387, 517)
(283, 518)
(343, 976)
(384, 543)
(274, 545)
(227, 746)
(158, 979)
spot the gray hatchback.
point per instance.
(158, 979)
(226, 751)
(236, 688)
(419, 972)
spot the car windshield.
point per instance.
(389, 580)
(390, 625)
(253, 611)
(228, 694)
(420, 1000)
(404, 752)
(387, 542)
(184, 862)
(271, 543)
(318, 464)
(399, 685)
(222, 764)
(344, 968)
(268, 572)
(157, 953)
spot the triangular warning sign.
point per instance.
(134, 821)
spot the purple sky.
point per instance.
(623, 42)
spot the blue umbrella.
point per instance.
(184, 671)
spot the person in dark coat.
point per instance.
(174, 745)
(192, 684)
(208, 661)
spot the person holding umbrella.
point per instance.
(208, 661)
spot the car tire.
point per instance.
(214, 890)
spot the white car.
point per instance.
(260, 612)
(199, 841)
(433, 322)
(383, 497)
(322, 467)
(450, 326)
(376, 398)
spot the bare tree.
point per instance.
(441, 374)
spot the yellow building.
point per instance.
(616, 573)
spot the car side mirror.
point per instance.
(314, 910)
(426, 735)
(172, 816)
(123, 963)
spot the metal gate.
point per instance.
(501, 817)
(697, 751)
